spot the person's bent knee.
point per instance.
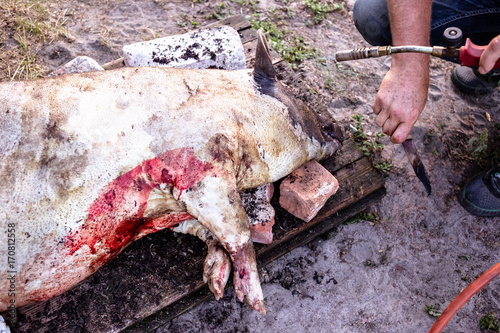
(371, 18)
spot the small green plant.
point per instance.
(478, 147)
(357, 129)
(219, 12)
(489, 322)
(365, 215)
(433, 311)
(370, 146)
(384, 165)
(320, 9)
(252, 3)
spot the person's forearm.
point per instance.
(403, 92)
(410, 25)
(410, 21)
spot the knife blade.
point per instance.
(416, 163)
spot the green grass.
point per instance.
(31, 22)
(370, 146)
(433, 311)
(481, 149)
(489, 322)
(321, 9)
(292, 48)
(365, 215)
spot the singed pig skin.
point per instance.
(81, 154)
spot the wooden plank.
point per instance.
(238, 22)
(247, 35)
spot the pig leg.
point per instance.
(161, 205)
(217, 266)
(216, 204)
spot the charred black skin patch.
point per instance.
(314, 125)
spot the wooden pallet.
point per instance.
(160, 276)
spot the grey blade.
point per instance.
(417, 164)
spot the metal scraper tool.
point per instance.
(416, 163)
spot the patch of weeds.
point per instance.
(29, 23)
(482, 149)
(478, 147)
(357, 129)
(383, 258)
(370, 146)
(297, 51)
(489, 322)
(252, 3)
(320, 9)
(27, 67)
(384, 165)
(365, 215)
(219, 13)
(280, 13)
(292, 48)
(183, 21)
(433, 311)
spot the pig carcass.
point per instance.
(91, 162)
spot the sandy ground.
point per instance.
(362, 277)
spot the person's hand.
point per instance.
(402, 95)
(490, 56)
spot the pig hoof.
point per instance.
(217, 269)
(257, 306)
(246, 279)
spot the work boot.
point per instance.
(481, 195)
(469, 81)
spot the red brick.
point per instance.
(305, 191)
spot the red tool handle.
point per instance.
(470, 54)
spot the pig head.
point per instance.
(90, 162)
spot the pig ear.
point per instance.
(264, 73)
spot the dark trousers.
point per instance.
(479, 20)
